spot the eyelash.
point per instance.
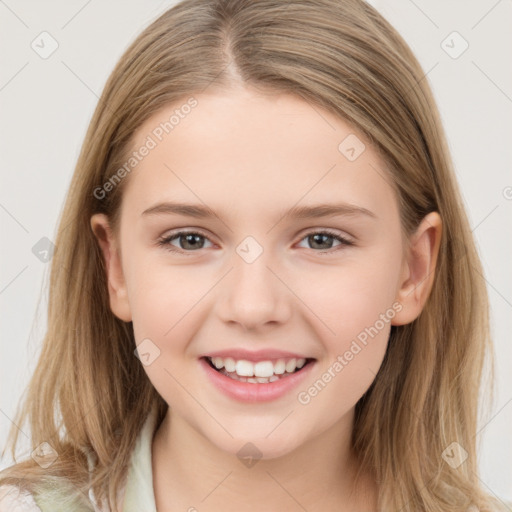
(165, 241)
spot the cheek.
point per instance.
(352, 356)
(351, 296)
(354, 305)
(166, 309)
(162, 295)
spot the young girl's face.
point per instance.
(254, 280)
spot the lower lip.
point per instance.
(255, 392)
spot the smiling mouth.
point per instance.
(263, 372)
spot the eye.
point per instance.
(324, 240)
(188, 241)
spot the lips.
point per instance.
(255, 389)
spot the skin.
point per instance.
(250, 157)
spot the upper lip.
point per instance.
(256, 355)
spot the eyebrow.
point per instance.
(200, 211)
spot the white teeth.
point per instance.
(291, 365)
(229, 364)
(265, 370)
(244, 368)
(217, 361)
(253, 380)
(279, 367)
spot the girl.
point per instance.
(265, 291)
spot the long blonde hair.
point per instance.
(342, 56)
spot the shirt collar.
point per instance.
(139, 493)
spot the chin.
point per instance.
(247, 448)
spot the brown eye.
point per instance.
(187, 241)
(324, 240)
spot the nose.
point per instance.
(253, 295)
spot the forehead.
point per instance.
(251, 152)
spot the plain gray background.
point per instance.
(46, 104)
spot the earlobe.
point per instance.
(419, 269)
(109, 246)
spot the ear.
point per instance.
(115, 278)
(418, 269)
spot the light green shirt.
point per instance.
(139, 495)
(138, 491)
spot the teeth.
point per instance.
(245, 369)
(291, 365)
(262, 371)
(279, 367)
(229, 364)
(218, 363)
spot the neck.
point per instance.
(189, 471)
